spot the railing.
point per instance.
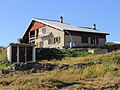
(32, 36)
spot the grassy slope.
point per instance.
(96, 76)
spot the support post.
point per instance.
(35, 34)
(25, 54)
(95, 40)
(29, 37)
(18, 54)
(33, 54)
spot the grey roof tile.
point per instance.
(65, 26)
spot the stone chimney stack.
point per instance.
(61, 19)
(94, 26)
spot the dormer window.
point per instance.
(43, 30)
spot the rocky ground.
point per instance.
(36, 67)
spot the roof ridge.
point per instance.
(46, 19)
(51, 20)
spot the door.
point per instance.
(14, 54)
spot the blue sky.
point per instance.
(15, 15)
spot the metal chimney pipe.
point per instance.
(61, 19)
(94, 26)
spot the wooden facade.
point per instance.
(85, 36)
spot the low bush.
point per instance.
(49, 54)
(58, 54)
(78, 54)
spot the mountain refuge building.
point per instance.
(57, 34)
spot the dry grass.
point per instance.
(95, 76)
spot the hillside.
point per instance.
(93, 72)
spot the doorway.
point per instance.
(14, 53)
(21, 54)
(29, 54)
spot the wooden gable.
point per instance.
(36, 25)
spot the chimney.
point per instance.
(94, 26)
(61, 19)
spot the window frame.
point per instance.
(84, 39)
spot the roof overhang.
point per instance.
(21, 44)
(46, 36)
(88, 32)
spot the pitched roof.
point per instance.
(65, 26)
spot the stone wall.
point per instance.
(98, 51)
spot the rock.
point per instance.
(33, 70)
(5, 83)
(2, 62)
(4, 71)
(34, 66)
(64, 67)
(81, 65)
(49, 66)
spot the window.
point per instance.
(49, 41)
(84, 39)
(54, 40)
(94, 40)
(43, 30)
(97, 41)
(57, 39)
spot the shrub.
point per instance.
(58, 54)
(50, 53)
(77, 53)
